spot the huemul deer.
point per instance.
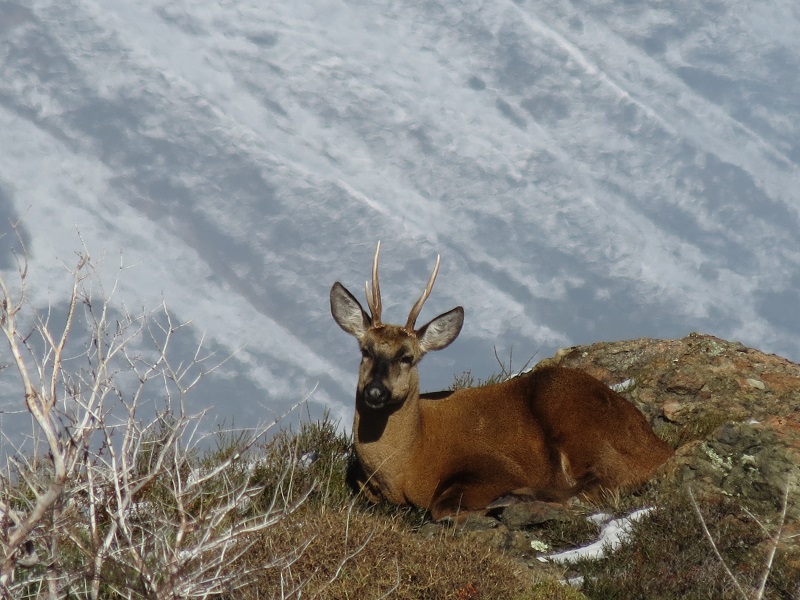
(548, 434)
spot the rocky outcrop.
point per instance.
(731, 412)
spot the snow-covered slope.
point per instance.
(587, 170)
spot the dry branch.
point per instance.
(110, 492)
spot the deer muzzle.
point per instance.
(375, 395)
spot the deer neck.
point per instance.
(385, 441)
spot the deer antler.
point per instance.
(374, 297)
(415, 310)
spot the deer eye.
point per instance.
(365, 353)
(407, 359)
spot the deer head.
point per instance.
(388, 373)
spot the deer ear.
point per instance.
(441, 331)
(347, 312)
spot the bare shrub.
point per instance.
(109, 495)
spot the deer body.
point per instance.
(548, 434)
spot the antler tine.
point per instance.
(417, 308)
(374, 298)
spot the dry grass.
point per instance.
(338, 547)
(335, 546)
(699, 427)
(357, 554)
(669, 557)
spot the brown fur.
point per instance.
(549, 434)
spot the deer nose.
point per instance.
(375, 395)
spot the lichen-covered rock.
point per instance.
(732, 412)
(752, 461)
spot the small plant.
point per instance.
(507, 371)
(316, 457)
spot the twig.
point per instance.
(728, 572)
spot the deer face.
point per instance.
(388, 370)
(390, 353)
